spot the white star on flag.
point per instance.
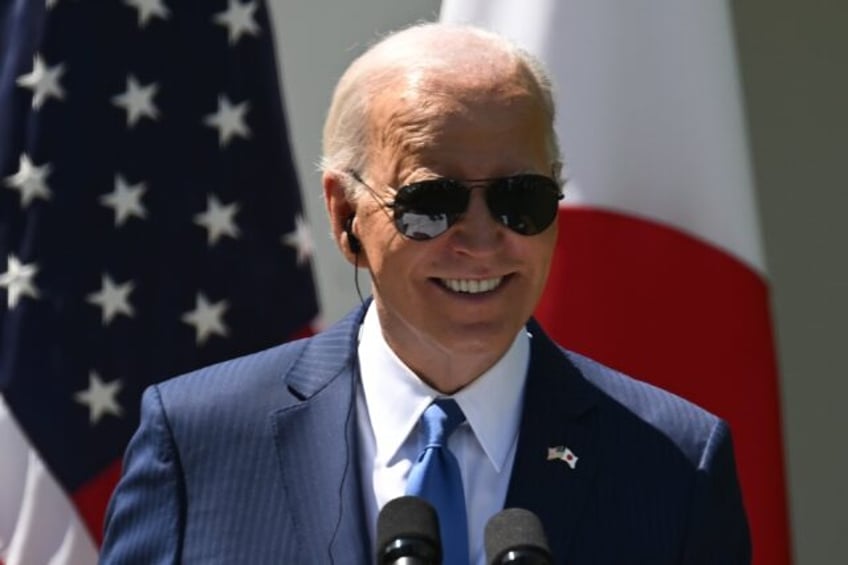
(17, 280)
(238, 19)
(206, 318)
(218, 220)
(148, 9)
(137, 100)
(100, 398)
(30, 181)
(113, 299)
(229, 120)
(300, 239)
(563, 453)
(43, 81)
(125, 200)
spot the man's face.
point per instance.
(421, 288)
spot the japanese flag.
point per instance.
(659, 270)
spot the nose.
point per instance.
(477, 233)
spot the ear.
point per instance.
(339, 210)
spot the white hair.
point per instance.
(422, 47)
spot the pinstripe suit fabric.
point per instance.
(255, 461)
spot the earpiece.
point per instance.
(353, 241)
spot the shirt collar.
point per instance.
(396, 397)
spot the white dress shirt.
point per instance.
(390, 401)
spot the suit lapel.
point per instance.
(557, 415)
(316, 442)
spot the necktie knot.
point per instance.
(440, 420)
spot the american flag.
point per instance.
(150, 223)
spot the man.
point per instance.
(442, 179)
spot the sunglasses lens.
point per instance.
(423, 210)
(526, 204)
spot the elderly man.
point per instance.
(441, 177)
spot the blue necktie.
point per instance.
(435, 477)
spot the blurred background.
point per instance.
(794, 70)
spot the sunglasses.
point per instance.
(527, 204)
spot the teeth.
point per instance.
(472, 286)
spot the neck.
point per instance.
(449, 373)
(447, 361)
(443, 367)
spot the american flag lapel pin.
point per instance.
(564, 454)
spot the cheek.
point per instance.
(377, 236)
(392, 258)
(540, 253)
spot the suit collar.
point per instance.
(550, 369)
(558, 414)
(317, 448)
(326, 355)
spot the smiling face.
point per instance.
(467, 292)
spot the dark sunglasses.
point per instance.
(527, 204)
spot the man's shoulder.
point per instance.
(241, 381)
(645, 412)
(645, 399)
(265, 371)
(633, 416)
(594, 383)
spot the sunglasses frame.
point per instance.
(467, 186)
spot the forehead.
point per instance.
(454, 118)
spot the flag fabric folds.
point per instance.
(658, 270)
(150, 224)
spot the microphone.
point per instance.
(408, 533)
(515, 536)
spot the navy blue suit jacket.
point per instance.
(255, 461)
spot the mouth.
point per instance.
(472, 286)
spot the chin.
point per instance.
(471, 337)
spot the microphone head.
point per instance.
(516, 535)
(408, 527)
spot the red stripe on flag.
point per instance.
(669, 309)
(91, 499)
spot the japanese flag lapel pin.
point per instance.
(564, 454)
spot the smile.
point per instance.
(472, 286)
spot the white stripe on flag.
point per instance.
(38, 523)
(656, 127)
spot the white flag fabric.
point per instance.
(659, 269)
(38, 523)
